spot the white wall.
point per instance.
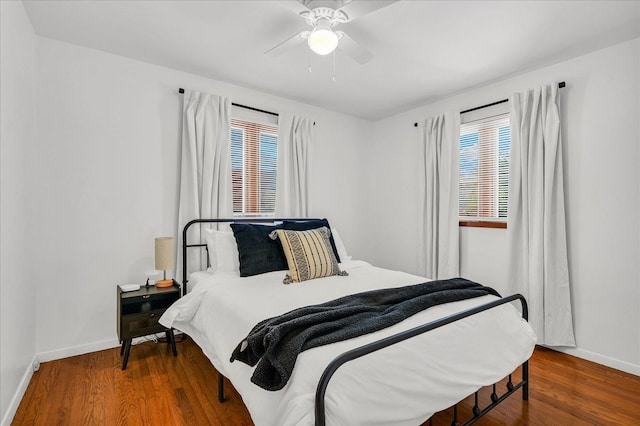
(601, 112)
(17, 138)
(106, 167)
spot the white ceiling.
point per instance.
(423, 50)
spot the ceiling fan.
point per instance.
(323, 16)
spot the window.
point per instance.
(254, 157)
(484, 170)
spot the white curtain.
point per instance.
(205, 176)
(438, 248)
(294, 158)
(536, 232)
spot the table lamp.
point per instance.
(165, 259)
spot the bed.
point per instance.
(400, 375)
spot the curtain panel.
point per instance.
(295, 135)
(205, 173)
(536, 227)
(438, 247)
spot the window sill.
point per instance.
(483, 224)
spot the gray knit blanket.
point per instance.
(274, 344)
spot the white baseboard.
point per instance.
(90, 347)
(78, 350)
(17, 397)
(627, 367)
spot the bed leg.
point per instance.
(455, 416)
(220, 387)
(171, 341)
(525, 379)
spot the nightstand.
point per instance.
(139, 312)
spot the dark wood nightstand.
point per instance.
(139, 312)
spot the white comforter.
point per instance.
(400, 385)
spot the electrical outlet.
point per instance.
(36, 365)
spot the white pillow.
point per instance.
(223, 251)
(342, 251)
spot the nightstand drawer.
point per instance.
(142, 324)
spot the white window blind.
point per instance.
(484, 168)
(254, 157)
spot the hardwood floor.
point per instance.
(158, 389)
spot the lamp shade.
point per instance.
(165, 258)
(322, 40)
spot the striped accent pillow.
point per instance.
(309, 254)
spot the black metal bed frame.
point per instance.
(320, 418)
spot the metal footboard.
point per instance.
(391, 340)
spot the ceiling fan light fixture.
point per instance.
(322, 40)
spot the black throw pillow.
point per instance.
(312, 224)
(257, 252)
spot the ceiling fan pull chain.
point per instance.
(310, 70)
(334, 66)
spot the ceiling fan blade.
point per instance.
(353, 49)
(287, 44)
(294, 6)
(355, 8)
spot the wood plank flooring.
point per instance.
(158, 389)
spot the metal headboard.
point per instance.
(186, 245)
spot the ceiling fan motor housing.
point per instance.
(332, 16)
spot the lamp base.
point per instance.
(164, 283)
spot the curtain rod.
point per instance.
(560, 86)
(181, 90)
